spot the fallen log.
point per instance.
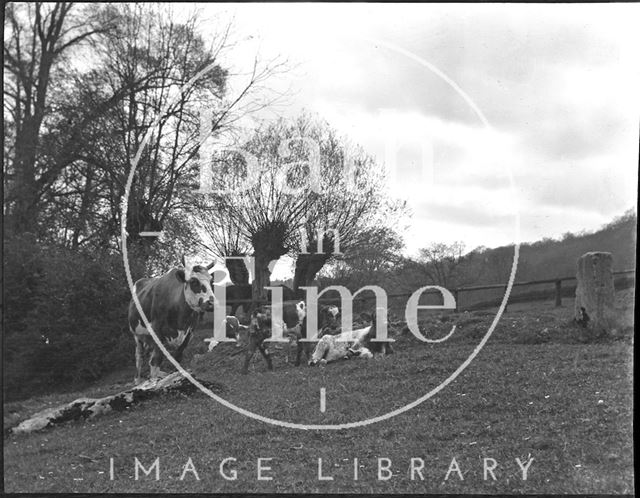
(83, 408)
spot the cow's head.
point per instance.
(197, 287)
(328, 320)
(301, 311)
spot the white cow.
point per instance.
(345, 345)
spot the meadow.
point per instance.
(536, 390)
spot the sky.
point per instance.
(486, 111)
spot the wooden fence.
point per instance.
(556, 281)
(459, 290)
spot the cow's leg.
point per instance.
(251, 350)
(288, 351)
(140, 354)
(320, 350)
(180, 351)
(155, 362)
(308, 350)
(299, 353)
(381, 352)
(301, 346)
(265, 355)
(305, 348)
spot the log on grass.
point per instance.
(84, 408)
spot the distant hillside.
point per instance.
(545, 259)
(551, 258)
(542, 260)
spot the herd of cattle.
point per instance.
(174, 304)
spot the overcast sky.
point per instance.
(558, 85)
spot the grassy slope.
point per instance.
(534, 389)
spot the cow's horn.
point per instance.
(187, 268)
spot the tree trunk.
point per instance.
(84, 208)
(26, 209)
(25, 192)
(262, 279)
(307, 267)
(238, 272)
(268, 245)
(308, 264)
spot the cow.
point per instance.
(342, 346)
(327, 325)
(233, 330)
(293, 326)
(173, 304)
(293, 314)
(350, 344)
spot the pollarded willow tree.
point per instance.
(292, 183)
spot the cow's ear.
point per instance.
(180, 275)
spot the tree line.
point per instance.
(85, 87)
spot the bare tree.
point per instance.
(377, 253)
(224, 238)
(39, 34)
(282, 204)
(441, 261)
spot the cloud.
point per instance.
(558, 83)
(600, 186)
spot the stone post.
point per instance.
(558, 293)
(594, 307)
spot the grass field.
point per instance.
(534, 391)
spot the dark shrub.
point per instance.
(65, 316)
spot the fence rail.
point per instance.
(556, 281)
(456, 291)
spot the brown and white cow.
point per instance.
(173, 304)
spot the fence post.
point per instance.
(455, 296)
(558, 293)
